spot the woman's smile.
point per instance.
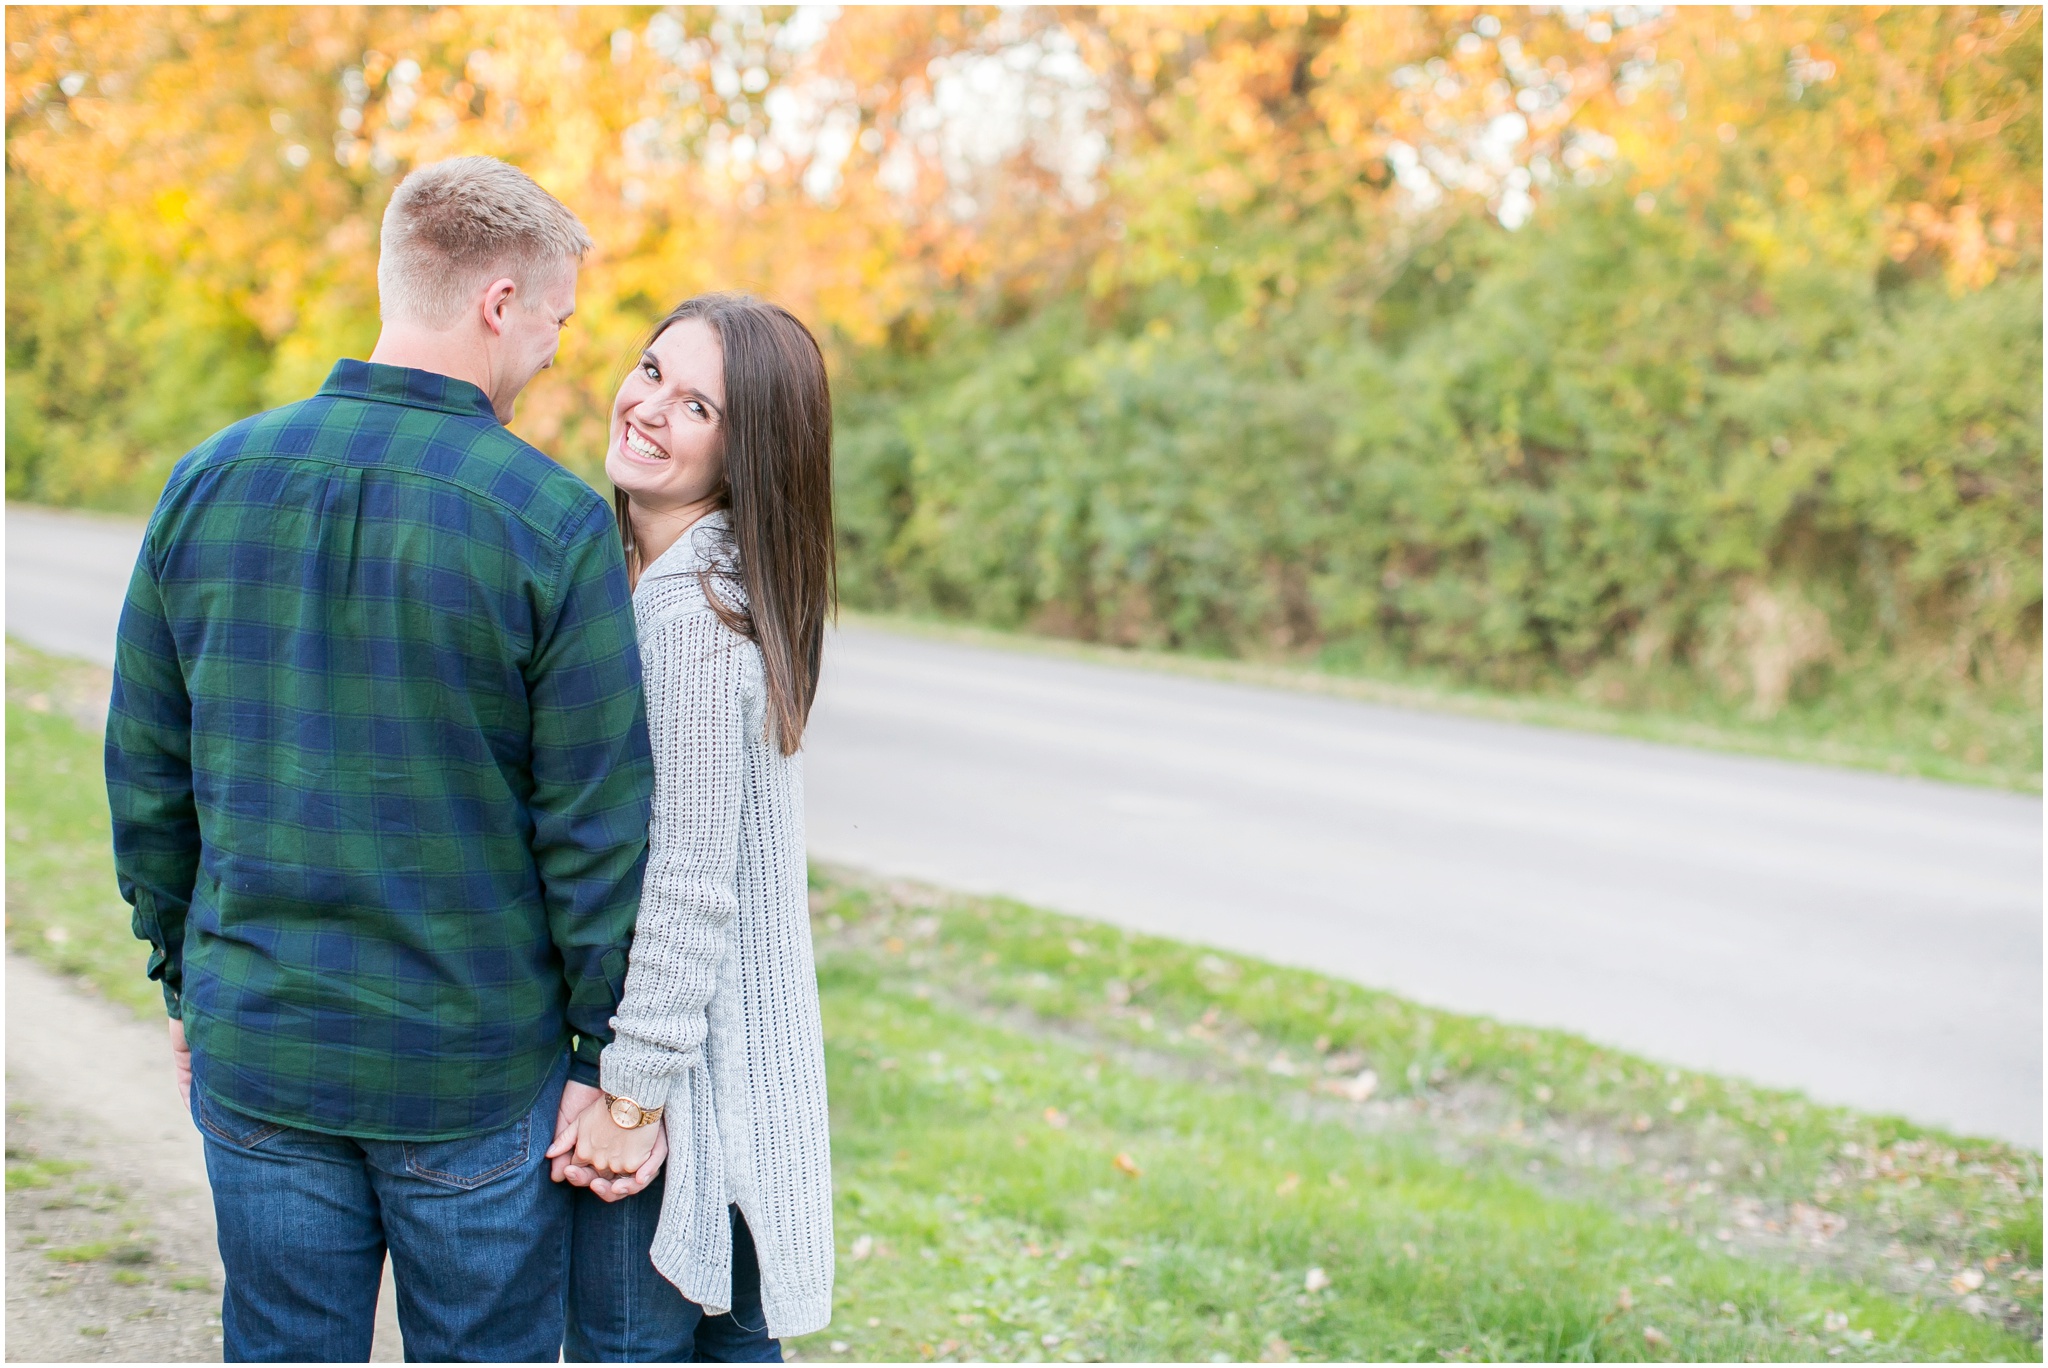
(638, 446)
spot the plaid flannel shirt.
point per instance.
(378, 761)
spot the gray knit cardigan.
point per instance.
(719, 1021)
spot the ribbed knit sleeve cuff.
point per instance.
(798, 1315)
(643, 1075)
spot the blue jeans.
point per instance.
(621, 1310)
(478, 1238)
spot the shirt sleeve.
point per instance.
(592, 782)
(697, 690)
(149, 780)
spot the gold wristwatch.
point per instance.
(630, 1115)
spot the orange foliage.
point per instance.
(1280, 149)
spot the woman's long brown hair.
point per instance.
(777, 495)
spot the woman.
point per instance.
(721, 442)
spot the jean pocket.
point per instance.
(472, 1162)
(225, 1123)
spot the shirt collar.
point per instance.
(413, 388)
(697, 549)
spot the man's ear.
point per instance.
(497, 299)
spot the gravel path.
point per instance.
(110, 1247)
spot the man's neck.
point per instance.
(450, 353)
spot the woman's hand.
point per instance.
(599, 1145)
(569, 1168)
(616, 1189)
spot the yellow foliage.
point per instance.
(249, 151)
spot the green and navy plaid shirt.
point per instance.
(378, 761)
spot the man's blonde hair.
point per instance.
(455, 225)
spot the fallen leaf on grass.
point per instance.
(1315, 1281)
(862, 1247)
(1276, 1351)
(1055, 1118)
(1354, 1089)
(1656, 1338)
(1817, 1225)
(1625, 1300)
(1969, 1280)
(1287, 1185)
(1128, 1165)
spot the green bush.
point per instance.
(114, 368)
(1618, 448)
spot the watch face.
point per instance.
(625, 1112)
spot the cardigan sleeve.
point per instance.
(700, 678)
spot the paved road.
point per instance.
(1875, 941)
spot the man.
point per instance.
(380, 782)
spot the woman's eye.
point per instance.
(696, 408)
(651, 372)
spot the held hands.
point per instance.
(590, 1150)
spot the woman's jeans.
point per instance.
(477, 1235)
(621, 1310)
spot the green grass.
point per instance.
(62, 906)
(103, 1251)
(961, 1030)
(1058, 1140)
(38, 1173)
(1861, 723)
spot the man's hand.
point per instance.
(181, 1062)
(577, 1098)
